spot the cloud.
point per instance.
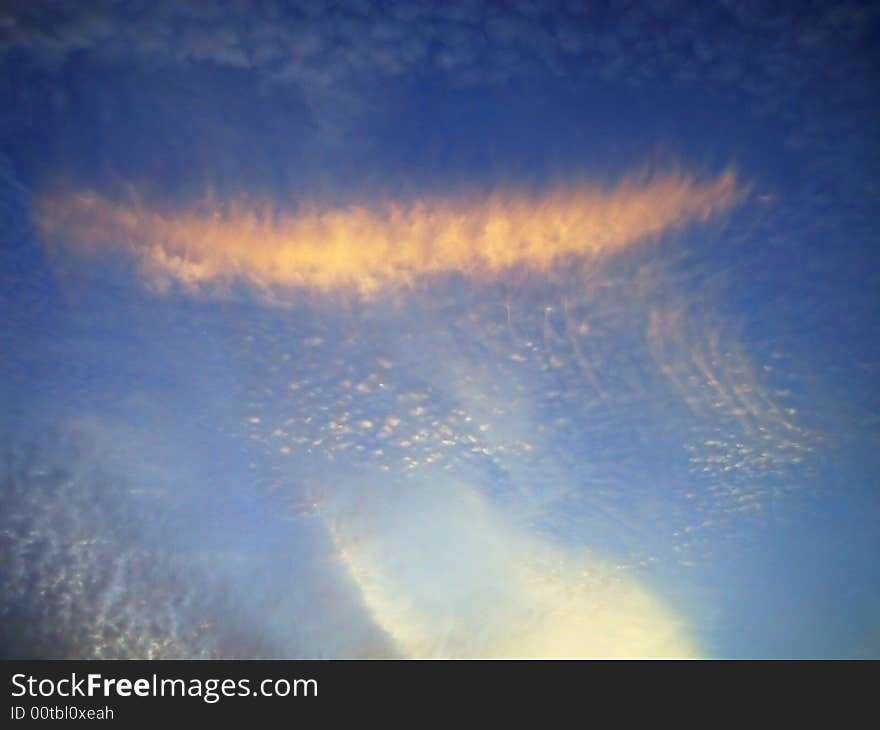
(366, 247)
(113, 548)
(774, 61)
(447, 574)
(81, 577)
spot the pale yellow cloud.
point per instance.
(446, 574)
(368, 247)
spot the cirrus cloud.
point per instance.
(368, 247)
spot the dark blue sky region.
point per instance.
(660, 419)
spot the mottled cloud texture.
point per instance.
(551, 403)
(367, 247)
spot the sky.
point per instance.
(439, 329)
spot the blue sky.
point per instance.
(650, 399)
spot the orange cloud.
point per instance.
(368, 247)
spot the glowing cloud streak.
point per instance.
(447, 575)
(369, 247)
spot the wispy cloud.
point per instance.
(366, 247)
(474, 584)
